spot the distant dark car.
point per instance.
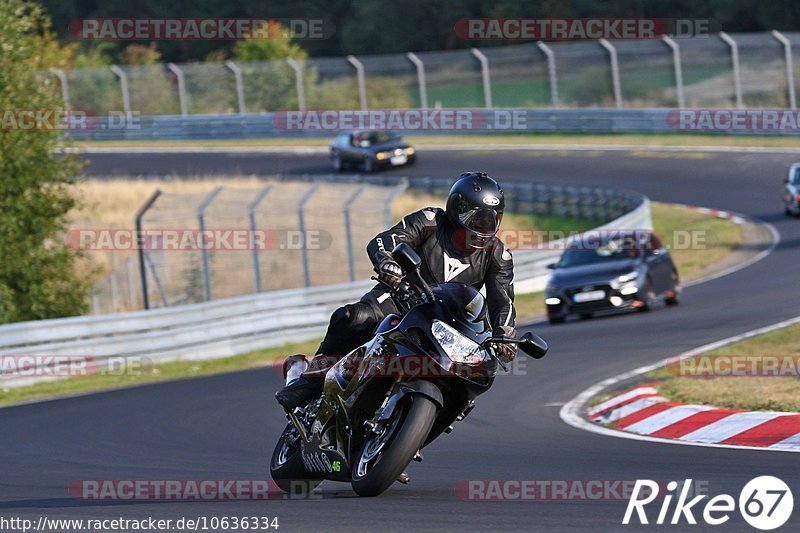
(791, 191)
(593, 277)
(370, 150)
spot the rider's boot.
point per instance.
(300, 391)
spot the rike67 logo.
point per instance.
(765, 503)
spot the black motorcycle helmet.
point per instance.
(476, 204)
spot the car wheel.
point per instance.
(674, 296)
(368, 166)
(336, 162)
(648, 299)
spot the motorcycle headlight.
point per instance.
(624, 279)
(457, 347)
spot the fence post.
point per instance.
(421, 81)
(487, 81)
(787, 54)
(737, 79)
(676, 62)
(181, 87)
(237, 75)
(302, 222)
(62, 79)
(298, 77)
(142, 270)
(612, 54)
(251, 213)
(362, 82)
(201, 222)
(387, 205)
(551, 72)
(348, 231)
(123, 85)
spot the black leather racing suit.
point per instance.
(436, 241)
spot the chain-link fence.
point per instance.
(230, 241)
(291, 232)
(747, 69)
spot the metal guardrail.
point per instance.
(231, 326)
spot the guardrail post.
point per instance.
(787, 54)
(201, 222)
(142, 270)
(251, 213)
(62, 79)
(421, 81)
(302, 223)
(298, 78)
(348, 230)
(737, 78)
(123, 85)
(551, 72)
(676, 62)
(612, 54)
(487, 81)
(237, 75)
(181, 87)
(362, 82)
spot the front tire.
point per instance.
(384, 457)
(287, 469)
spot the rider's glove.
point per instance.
(389, 271)
(505, 352)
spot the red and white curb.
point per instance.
(643, 414)
(725, 215)
(643, 411)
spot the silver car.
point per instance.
(791, 190)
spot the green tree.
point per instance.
(40, 276)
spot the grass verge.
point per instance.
(667, 220)
(768, 393)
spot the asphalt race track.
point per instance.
(225, 426)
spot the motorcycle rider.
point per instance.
(458, 243)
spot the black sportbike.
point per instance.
(392, 396)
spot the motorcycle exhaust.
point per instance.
(294, 367)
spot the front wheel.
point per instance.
(286, 465)
(385, 455)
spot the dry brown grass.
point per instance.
(751, 393)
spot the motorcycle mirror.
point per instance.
(533, 345)
(406, 257)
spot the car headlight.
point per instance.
(457, 347)
(410, 150)
(382, 155)
(617, 283)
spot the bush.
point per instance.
(39, 274)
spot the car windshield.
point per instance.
(581, 255)
(796, 177)
(376, 137)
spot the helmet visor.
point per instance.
(481, 220)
